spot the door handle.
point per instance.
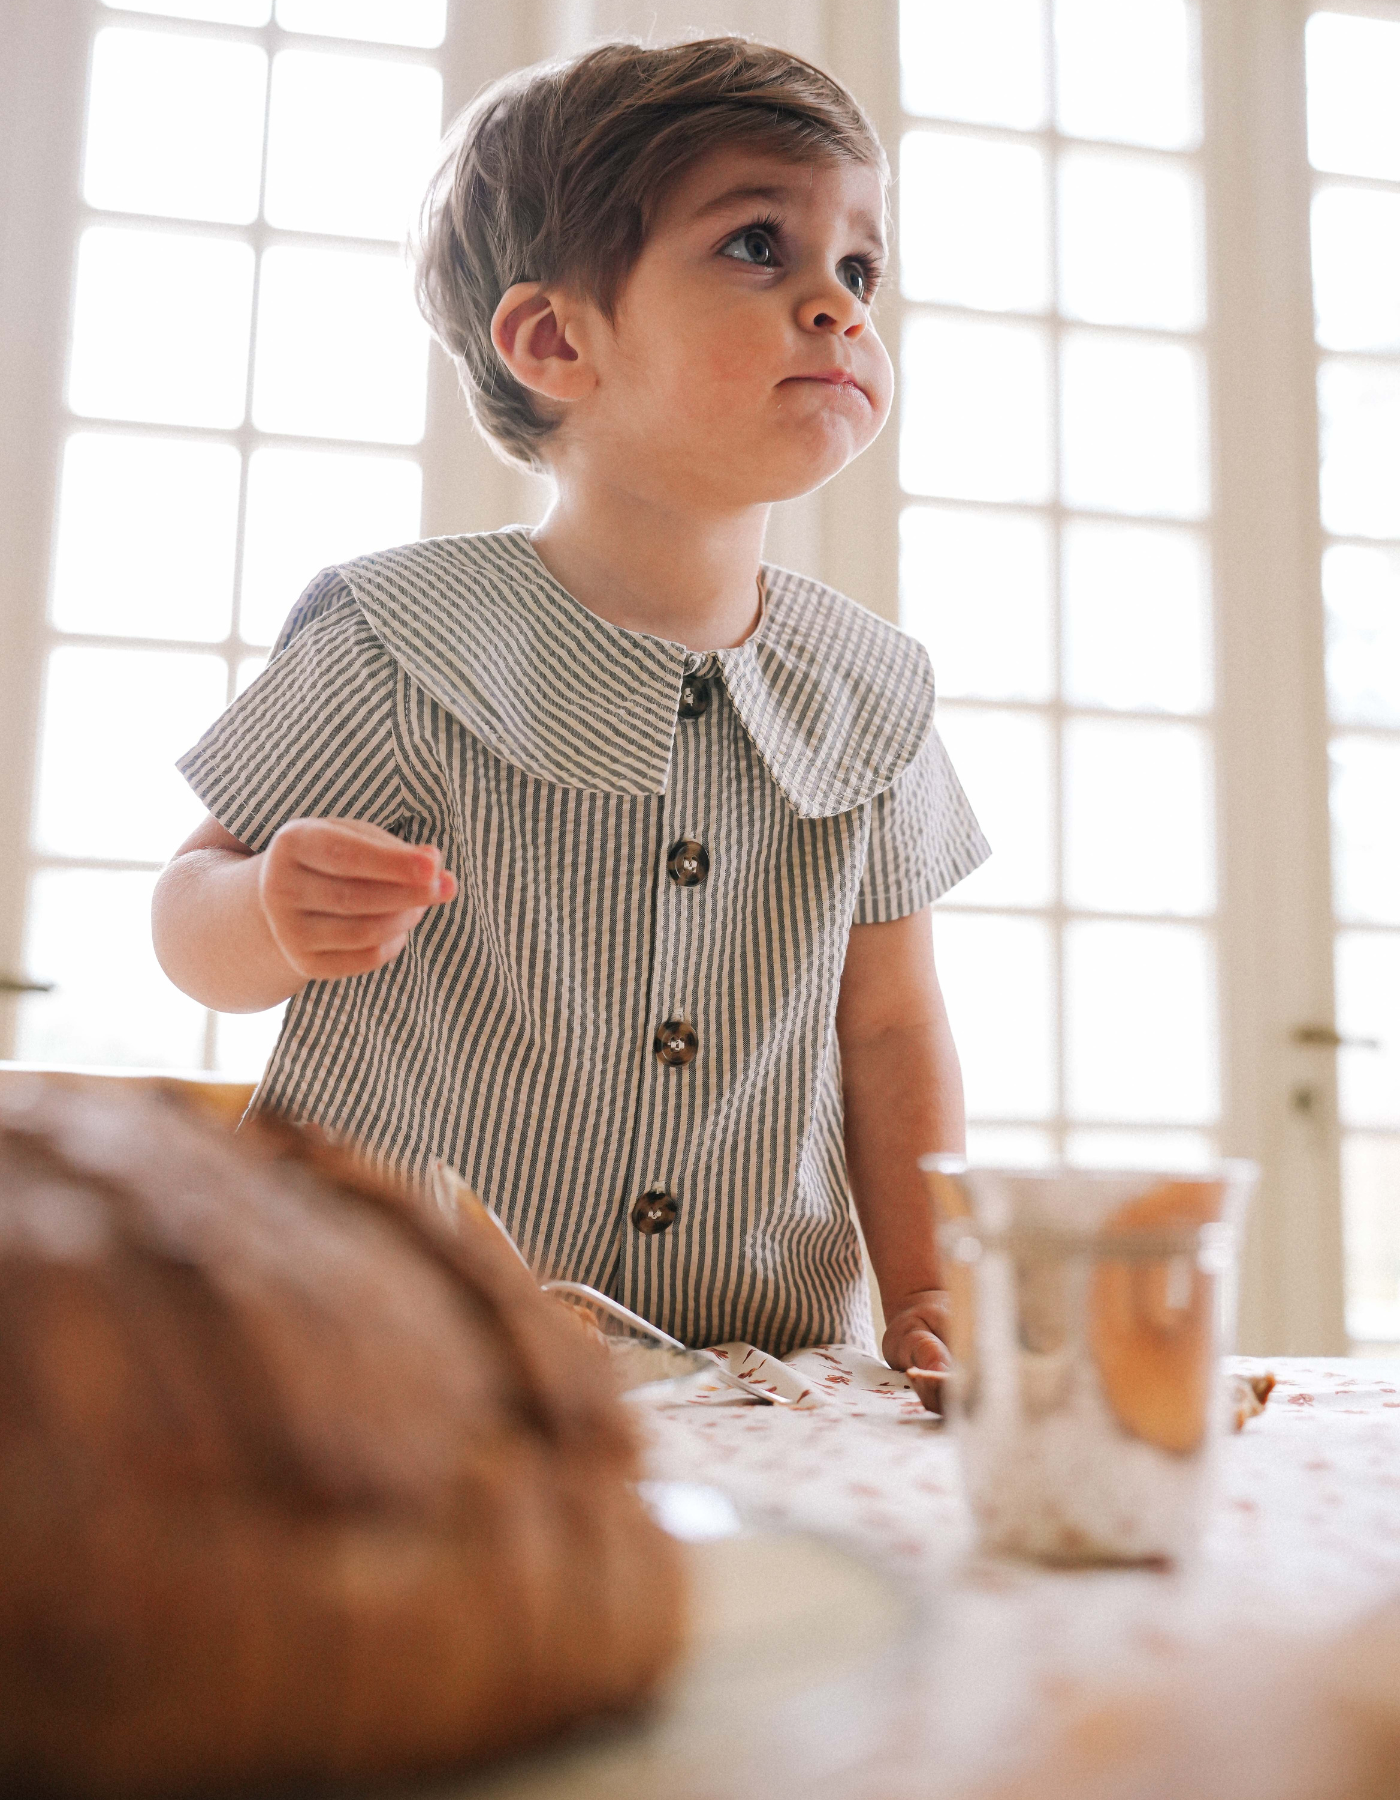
(1327, 1037)
(19, 984)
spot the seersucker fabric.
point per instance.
(622, 1031)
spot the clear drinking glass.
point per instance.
(1089, 1312)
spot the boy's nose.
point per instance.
(834, 310)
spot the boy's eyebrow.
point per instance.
(773, 194)
(745, 192)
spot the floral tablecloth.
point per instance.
(1304, 1541)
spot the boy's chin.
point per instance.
(759, 471)
(789, 477)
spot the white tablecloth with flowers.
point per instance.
(1305, 1538)
(1304, 1543)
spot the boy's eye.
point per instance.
(751, 246)
(856, 278)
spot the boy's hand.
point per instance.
(341, 896)
(911, 1333)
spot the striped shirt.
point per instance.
(622, 1031)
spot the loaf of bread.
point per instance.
(295, 1487)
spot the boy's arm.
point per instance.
(327, 898)
(903, 1098)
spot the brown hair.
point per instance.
(556, 174)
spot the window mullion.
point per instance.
(43, 92)
(465, 486)
(1276, 957)
(858, 512)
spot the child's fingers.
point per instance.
(334, 965)
(319, 933)
(924, 1351)
(355, 849)
(909, 1343)
(376, 875)
(346, 898)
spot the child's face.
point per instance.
(742, 366)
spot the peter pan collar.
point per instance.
(836, 701)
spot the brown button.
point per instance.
(653, 1211)
(675, 1042)
(688, 862)
(695, 697)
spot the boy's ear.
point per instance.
(536, 333)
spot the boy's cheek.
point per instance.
(880, 382)
(736, 361)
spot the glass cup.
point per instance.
(1089, 1310)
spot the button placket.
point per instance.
(664, 1158)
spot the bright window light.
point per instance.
(160, 327)
(175, 126)
(417, 22)
(351, 142)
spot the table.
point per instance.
(993, 1677)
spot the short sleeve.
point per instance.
(923, 839)
(313, 737)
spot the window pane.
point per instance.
(1353, 79)
(996, 977)
(1368, 1007)
(310, 508)
(1365, 839)
(1134, 426)
(244, 1041)
(342, 352)
(145, 540)
(1131, 240)
(174, 125)
(1138, 817)
(113, 723)
(160, 327)
(1168, 1151)
(1009, 1146)
(421, 22)
(1359, 419)
(1004, 761)
(89, 931)
(1137, 617)
(220, 12)
(1127, 73)
(983, 62)
(1361, 587)
(247, 671)
(1356, 268)
(350, 143)
(976, 410)
(973, 222)
(1140, 1015)
(975, 587)
(1370, 1184)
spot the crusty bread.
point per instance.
(294, 1487)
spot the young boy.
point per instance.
(597, 860)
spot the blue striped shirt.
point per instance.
(622, 1031)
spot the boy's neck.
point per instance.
(677, 574)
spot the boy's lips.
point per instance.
(841, 379)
